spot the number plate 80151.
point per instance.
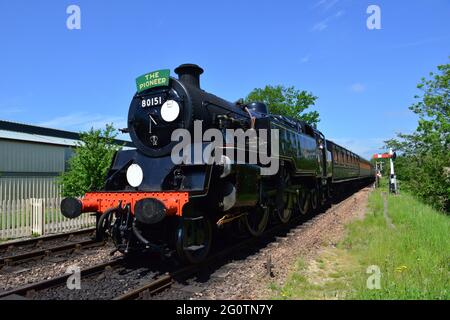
(152, 101)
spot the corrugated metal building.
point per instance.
(31, 158)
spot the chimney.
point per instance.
(189, 74)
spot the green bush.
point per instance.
(90, 164)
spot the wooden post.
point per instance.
(38, 217)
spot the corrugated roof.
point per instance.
(21, 136)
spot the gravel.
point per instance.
(112, 282)
(52, 266)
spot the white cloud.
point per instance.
(320, 26)
(325, 4)
(83, 121)
(323, 24)
(330, 4)
(394, 114)
(305, 59)
(10, 110)
(421, 42)
(339, 14)
(319, 3)
(365, 148)
(358, 87)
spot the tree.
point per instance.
(286, 101)
(425, 161)
(90, 163)
(434, 110)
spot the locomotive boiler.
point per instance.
(151, 202)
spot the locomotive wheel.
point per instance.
(284, 199)
(256, 221)
(103, 223)
(314, 199)
(329, 191)
(303, 202)
(323, 196)
(193, 239)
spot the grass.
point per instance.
(18, 218)
(413, 257)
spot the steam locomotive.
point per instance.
(151, 202)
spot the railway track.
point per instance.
(30, 290)
(17, 252)
(36, 254)
(154, 281)
(29, 244)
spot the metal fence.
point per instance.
(35, 217)
(30, 206)
(16, 187)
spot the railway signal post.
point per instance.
(391, 155)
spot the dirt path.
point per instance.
(385, 212)
(251, 278)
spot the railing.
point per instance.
(36, 217)
(12, 188)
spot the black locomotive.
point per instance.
(151, 202)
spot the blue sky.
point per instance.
(365, 79)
